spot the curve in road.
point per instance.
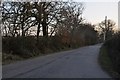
(78, 63)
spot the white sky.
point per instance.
(95, 11)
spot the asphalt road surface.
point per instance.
(77, 63)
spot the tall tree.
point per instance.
(16, 18)
(70, 19)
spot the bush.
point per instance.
(22, 46)
(29, 46)
(113, 48)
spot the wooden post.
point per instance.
(105, 28)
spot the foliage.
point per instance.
(113, 50)
(22, 46)
(82, 35)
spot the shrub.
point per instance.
(113, 47)
(22, 46)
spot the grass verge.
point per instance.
(12, 58)
(106, 63)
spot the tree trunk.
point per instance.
(45, 31)
(38, 30)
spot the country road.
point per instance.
(77, 63)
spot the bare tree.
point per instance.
(107, 28)
(16, 18)
(46, 13)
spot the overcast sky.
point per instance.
(95, 11)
